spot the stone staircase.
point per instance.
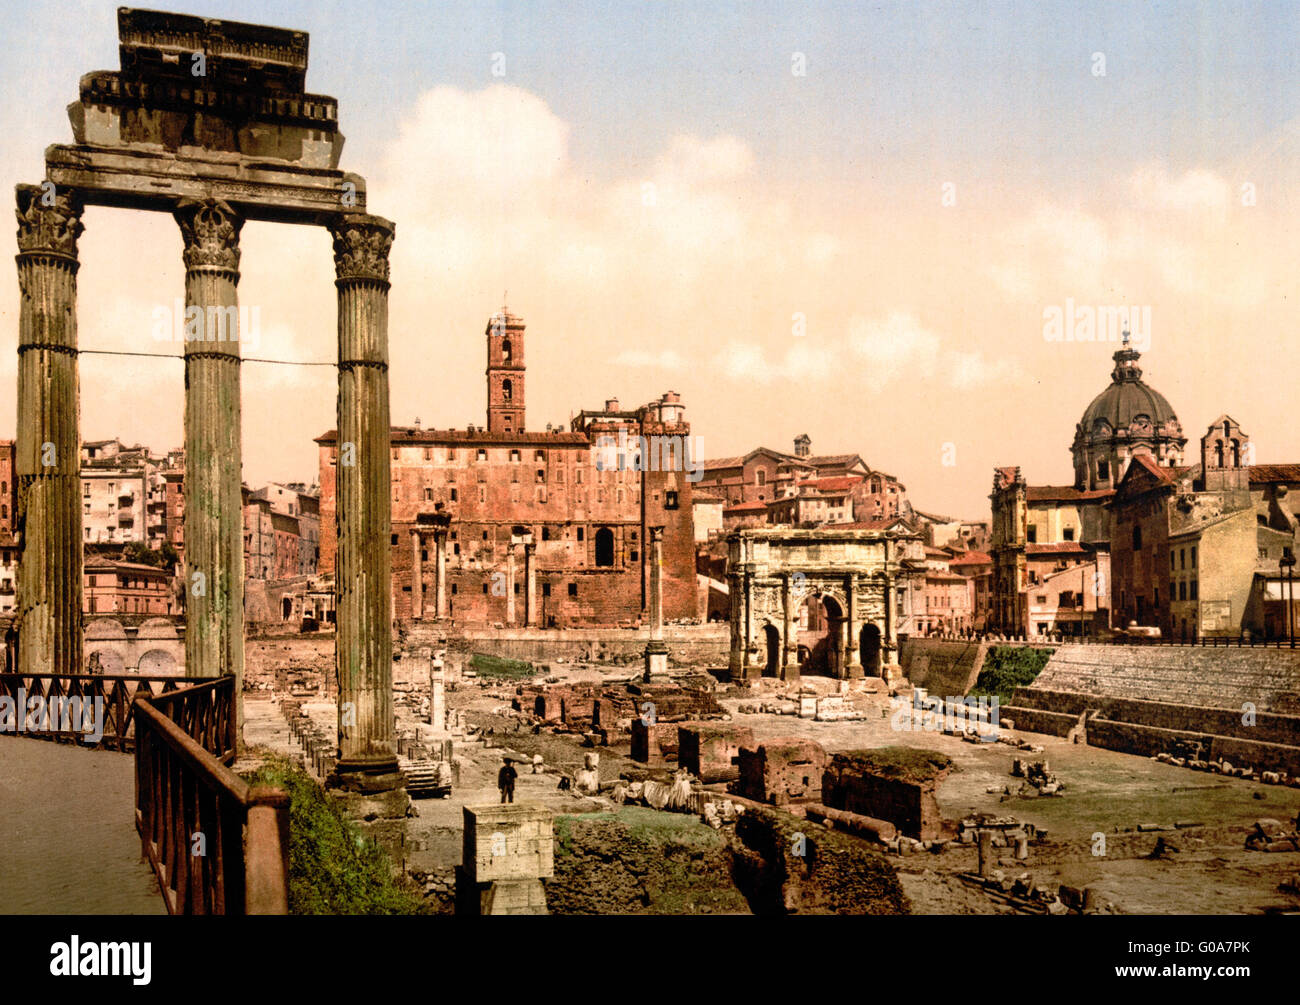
(1182, 675)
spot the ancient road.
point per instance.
(67, 837)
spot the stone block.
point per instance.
(507, 842)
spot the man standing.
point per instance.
(506, 781)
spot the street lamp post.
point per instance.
(1287, 562)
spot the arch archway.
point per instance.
(604, 547)
(158, 662)
(869, 650)
(824, 635)
(772, 666)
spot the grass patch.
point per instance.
(1007, 668)
(908, 764)
(333, 867)
(501, 667)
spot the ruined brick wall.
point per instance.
(909, 805)
(781, 770)
(783, 865)
(709, 751)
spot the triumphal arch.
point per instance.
(815, 601)
(209, 121)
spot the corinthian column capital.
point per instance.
(361, 246)
(49, 220)
(210, 229)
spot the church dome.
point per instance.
(1127, 399)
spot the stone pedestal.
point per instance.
(507, 851)
(656, 659)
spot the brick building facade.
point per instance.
(508, 526)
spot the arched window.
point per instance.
(505, 351)
(1137, 538)
(604, 547)
(1226, 433)
(507, 389)
(762, 477)
(1236, 454)
(1218, 455)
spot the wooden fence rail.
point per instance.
(216, 844)
(108, 696)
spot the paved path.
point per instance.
(67, 832)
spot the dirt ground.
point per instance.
(1105, 792)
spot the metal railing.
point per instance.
(217, 845)
(107, 696)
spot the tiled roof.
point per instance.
(746, 507)
(1055, 548)
(973, 558)
(839, 483)
(1265, 473)
(409, 435)
(1064, 493)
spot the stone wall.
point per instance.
(946, 667)
(909, 804)
(710, 751)
(781, 770)
(703, 645)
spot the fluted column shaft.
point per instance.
(656, 583)
(440, 558)
(47, 461)
(530, 579)
(510, 584)
(214, 524)
(362, 580)
(417, 578)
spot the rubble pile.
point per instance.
(1226, 767)
(1273, 835)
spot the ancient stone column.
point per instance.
(530, 581)
(364, 642)
(417, 578)
(510, 583)
(656, 652)
(47, 460)
(789, 651)
(440, 587)
(852, 661)
(214, 522)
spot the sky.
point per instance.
(849, 220)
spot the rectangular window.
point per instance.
(1191, 594)
(579, 533)
(514, 457)
(670, 500)
(482, 455)
(1031, 533)
(1193, 556)
(1069, 533)
(573, 589)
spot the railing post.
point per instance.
(266, 852)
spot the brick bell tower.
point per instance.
(505, 373)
